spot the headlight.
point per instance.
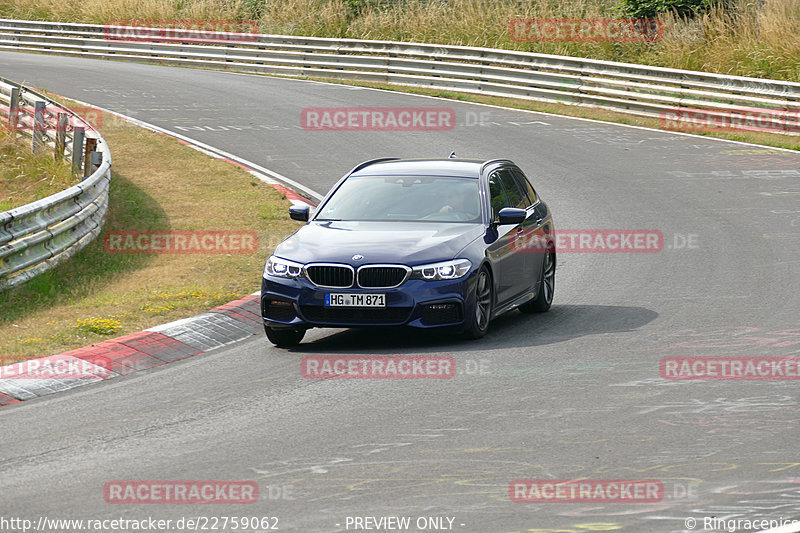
(454, 269)
(282, 268)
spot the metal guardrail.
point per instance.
(628, 88)
(37, 236)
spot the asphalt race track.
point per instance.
(572, 394)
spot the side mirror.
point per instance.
(299, 212)
(511, 215)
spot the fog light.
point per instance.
(444, 313)
(279, 310)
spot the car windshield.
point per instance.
(405, 198)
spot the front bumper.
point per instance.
(299, 303)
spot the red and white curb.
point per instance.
(223, 325)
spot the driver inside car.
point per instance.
(462, 202)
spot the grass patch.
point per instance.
(25, 176)
(100, 326)
(743, 39)
(157, 184)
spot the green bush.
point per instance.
(651, 8)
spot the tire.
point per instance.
(484, 302)
(547, 286)
(284, 338)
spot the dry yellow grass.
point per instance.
(762, 43)
(101, 11)
(744, 40)
(24, 176)
(157, 184)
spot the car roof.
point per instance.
(465, 168)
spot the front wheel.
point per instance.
(284, 338)
(484, 300)
(547, 286)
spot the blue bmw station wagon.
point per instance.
(431, 243)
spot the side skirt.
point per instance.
(516, 302)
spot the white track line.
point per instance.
(545, 113)
(212, 151)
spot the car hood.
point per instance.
(410, 243)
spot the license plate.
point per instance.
(355, 300)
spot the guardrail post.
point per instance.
(95, 160)
(77, 149)
(61, 136)
(13, 109)
(88, 150)
(37, 135)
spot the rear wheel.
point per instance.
(284, 338)
(484, 300)
(547, 286)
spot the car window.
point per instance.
(525, 185)
(404, 199)
(516, 197)
(497, 194)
